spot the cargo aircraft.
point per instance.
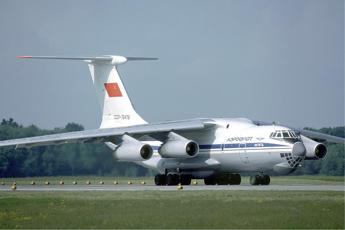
(214, 149)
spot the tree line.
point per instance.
(97, 159)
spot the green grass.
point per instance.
(172, 209)
(278, 180)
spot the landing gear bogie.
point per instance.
(260, 180)
(172, 179)
(224, 179)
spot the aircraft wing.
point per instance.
(321, 137)
(108, 134)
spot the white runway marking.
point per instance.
(115, 188)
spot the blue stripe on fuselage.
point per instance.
(234, 146)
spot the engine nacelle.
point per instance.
(314, 150)
(178, 147)
(131, 149)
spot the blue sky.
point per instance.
(266, 60)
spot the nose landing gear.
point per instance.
(260, 180)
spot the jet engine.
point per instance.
(314, 150)
(178, 147)
(130, 149)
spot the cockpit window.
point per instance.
(285, 135)
(292, 134)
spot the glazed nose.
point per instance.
(298, 149)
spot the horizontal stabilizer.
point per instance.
(141, 58)
(109, 59)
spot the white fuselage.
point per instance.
(233, 145)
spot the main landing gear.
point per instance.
(224, 179)
(218, 179)
(260, 180)
(173, 179)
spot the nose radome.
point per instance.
(299, 149)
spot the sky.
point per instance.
(276, 60)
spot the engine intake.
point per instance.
(320, 151)
(314, 150)
(178, 147)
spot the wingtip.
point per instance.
(24, 56)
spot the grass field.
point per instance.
(177, 209)
(174, 209)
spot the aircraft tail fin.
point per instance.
(116, 105)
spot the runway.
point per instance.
(121, 188)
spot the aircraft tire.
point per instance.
(223, 179)
(160, 179)
(265, 180)
(255, 180)
(210, 181)
(186, 180)
(235, 179)
(172, 179)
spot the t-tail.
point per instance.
(116, 105)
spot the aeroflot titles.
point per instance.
(234, 139)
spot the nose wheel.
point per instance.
(260, 180)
